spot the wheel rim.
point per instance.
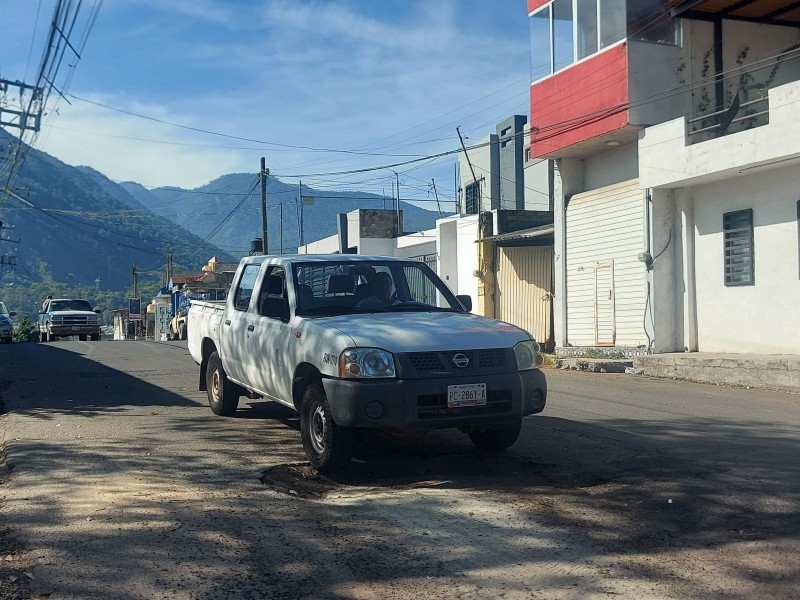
(316, 429)
(215, 385)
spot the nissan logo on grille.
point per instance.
(460, 360)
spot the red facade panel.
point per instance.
(581, 102)
(534, 4)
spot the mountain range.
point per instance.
(77, 227)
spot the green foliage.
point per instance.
(25, 331)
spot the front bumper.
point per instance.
(422, 403)
(74, 329)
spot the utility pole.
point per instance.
(486, 267)
(436, 194)
(474, 178)
(135, 282)
(263, 177)
(300, 206)
(397, 209)
(169, 267)
(280, 206)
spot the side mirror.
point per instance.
(466, 301)
(13, 313)
(98, 311)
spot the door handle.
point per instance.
(227, 321)
(250, 328)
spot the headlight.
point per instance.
(528, 356)
(366, 362)
(5, 321)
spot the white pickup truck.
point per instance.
(363, 342)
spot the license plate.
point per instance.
(470, 394)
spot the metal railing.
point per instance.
(723, 120)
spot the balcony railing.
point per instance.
(754, 113)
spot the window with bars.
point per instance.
(737, 229)
(472, 196)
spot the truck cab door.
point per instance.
(268, 344)
(237, 323)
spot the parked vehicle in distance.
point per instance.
(67, 317)
(363, 342)
(6, 324)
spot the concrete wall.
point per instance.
(667, 159)
(760, 318)
(537, 185)
(610, 167)
(458, 254)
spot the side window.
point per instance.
(737, 233)
(244, 291)
(273, 287)
(420, 287)
(798, 237)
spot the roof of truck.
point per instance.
(332, 258)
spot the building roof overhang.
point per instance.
(522, 234)
(767, 12)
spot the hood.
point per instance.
(74, 313)
(426, 332)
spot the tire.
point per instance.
(496, 438)
(182, 331)
(223, 396)
(327, 445)
(95, 337)
(42, 337)
(82, 338)
(50, 336)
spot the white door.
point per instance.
(605, 327)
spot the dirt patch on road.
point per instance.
(15, 567)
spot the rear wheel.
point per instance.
(328, 445)
(182, 331)
(223, 395)
(495, 438)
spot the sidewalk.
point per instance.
(772, 371)
(768, 371)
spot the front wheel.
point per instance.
(327, 445)
(223, 395)
(496, 438)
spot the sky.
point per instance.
(336, 94)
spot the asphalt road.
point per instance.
(120, 483)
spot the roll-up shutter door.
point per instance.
(524, 284)
(606, 282)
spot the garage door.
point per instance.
(606, 283)
(524, 284)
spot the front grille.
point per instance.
(429, 362)
(425, 361)
(74, 320)
(433, 406)
(491, 358)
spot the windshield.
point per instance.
(3, 309)
(57, 305)
(370, 286)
